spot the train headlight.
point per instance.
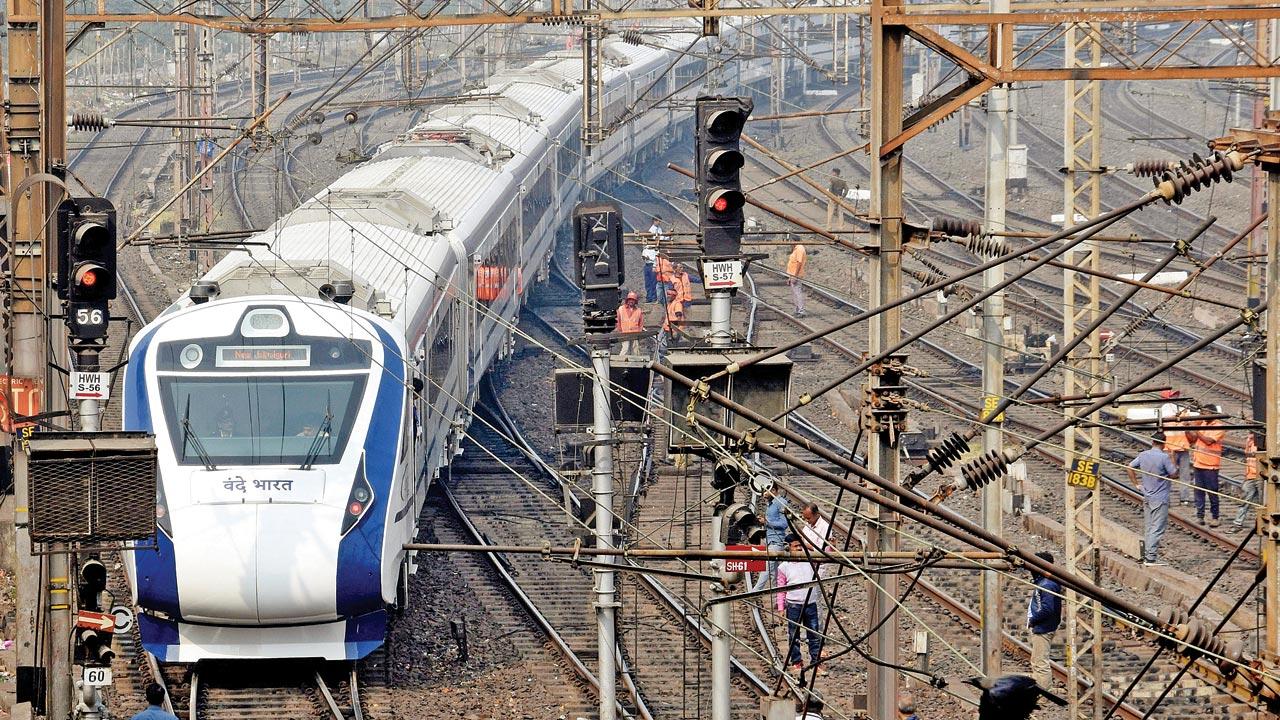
(191, 356)
(359, 501)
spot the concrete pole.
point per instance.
(885, 330)
(721, 620)
(602, 492)
(993, 349)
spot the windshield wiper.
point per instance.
(322, 438)
(189, 436)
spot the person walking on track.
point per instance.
(840, 189)
(795, 273)
(1157, 473)
(1206, 459)
(630, 320)
(1044, 614)
(800, 602)
(1251, 490)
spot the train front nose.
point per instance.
(258, 563)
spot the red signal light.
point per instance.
(721, 204)
(89, 278)
(355, 508)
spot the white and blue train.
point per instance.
(306, 392)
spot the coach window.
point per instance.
(536, 200)
(440, 356)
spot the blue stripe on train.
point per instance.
(157, 576)
(359, 564)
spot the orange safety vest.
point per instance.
(675, 311)
(1207, 454)
(664, 269)
(796, 262)
(630, 319)
(683, 287)
(489, 282)
(1175, 440)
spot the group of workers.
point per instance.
(665, 282)
(669, 284)
(1189, 451)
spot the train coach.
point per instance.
(307, 390)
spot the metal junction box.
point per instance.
(90, 486)
(574, 406)
(765, 387)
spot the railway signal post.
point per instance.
(717, 175)
(598, 250)
(718, 154)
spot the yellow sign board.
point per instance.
(989, 403)
(1083, 474)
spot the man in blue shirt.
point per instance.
(155, 705)
(775, 533)
(1044, 614)
(1158, 470)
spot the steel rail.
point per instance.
(553, 635)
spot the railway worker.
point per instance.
(801, 606)
(650, 256)
(155, 705)
(672, 321)
(683, 286)
(1044, 614)
(1177, 445)
(663, 271)
(796, 263)
(775, 532)
(630, 320)
(840, 189)
(817, 534)
(1206, 460)
(1251, 490)
(1158, 470)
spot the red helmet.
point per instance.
(632, 296)
(1169, 394)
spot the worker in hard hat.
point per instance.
(630, 320)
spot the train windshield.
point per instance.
(260, 420)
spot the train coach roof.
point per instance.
(449, 185)
(374, 256)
